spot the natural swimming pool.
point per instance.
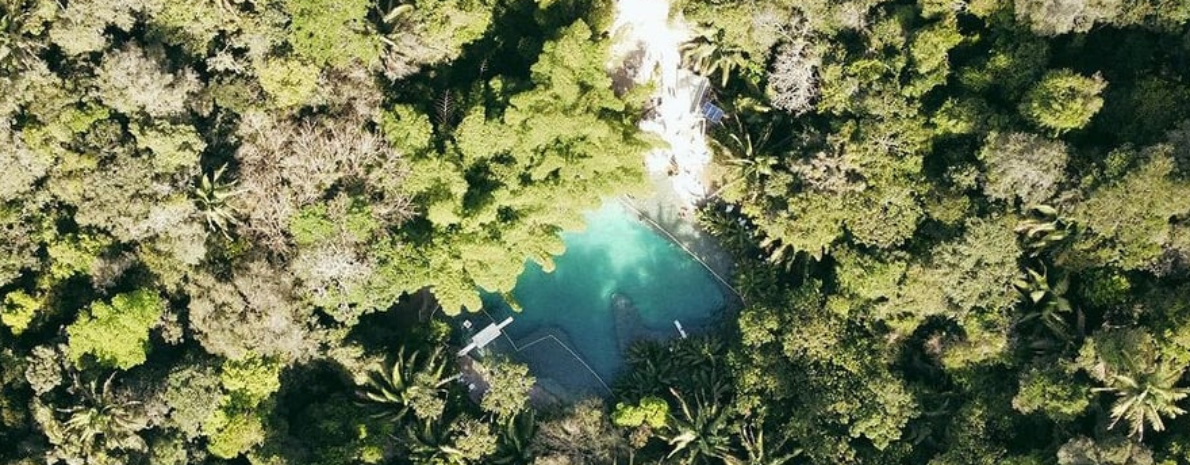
(618, 281)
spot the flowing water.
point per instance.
(648, 40)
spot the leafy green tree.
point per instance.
(193, 393)
(1049, 390)
(499, 186)
(1022, 166)
(428, 32)
(1063, 100)
(290, 82)
(1114, 450)
(1054, 17)
(1127, 223)
(333, 430)
(79, 27)
(509, 384)
(116, 334)
(928, 49)
(580, 434)
(231, 432)
(19, 310)
(1014, 64)
(329, 32)
(651, 410)
(239, 424)
(175, 147)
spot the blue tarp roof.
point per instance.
(712, 113)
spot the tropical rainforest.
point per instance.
(961, 230)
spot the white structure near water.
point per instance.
(485, 336)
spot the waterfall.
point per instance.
(647, 48)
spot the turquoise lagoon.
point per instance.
(618, 281)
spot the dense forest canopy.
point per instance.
(961, 228)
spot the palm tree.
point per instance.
(707, 54)
(429, 442)
(101, 423)
(701, 433)
(760, 453)
(513, 448)
(1145, 398)
(458, 441)
(1042, 229)
(731, 229)
(411, 383)
(747, 157)
(1130, 366)
(1048, 302)
(212, 198)
(652, 370)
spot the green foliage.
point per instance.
(291, 83)
(193, 394)
(1127, 222)
(174, 147)
(429, 32)
(700, 433)
(250, 380)
(1049, 306)
(331, 431)
(331, 32)
(74, 254)
(212, 198)
(1047, 390)
(509, 384)
(233, 432)
(466, 441)
(502, 189)
(1063, 100)
(409, 131)
(1013, 64)
(19, 311)
(651, 410)
(928, 49)
(355, 155)
(239, 422)
(116, 334)
(100, 429)
(1022, 166)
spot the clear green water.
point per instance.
(615, 254)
